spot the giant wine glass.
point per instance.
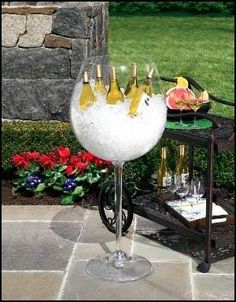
(111, 134)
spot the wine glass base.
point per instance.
(119, 267)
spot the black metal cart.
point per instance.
(218, 238)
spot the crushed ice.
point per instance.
(110, 133)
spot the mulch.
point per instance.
(226, 195)
(90, 199)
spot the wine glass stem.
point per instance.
(118, 169)
(194, 122)
(181, 121)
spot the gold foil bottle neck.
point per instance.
(85, 78)
(151, 73)
(163, 152)
(113, 73)
(99, 71)
(133, 70)
(182, 150)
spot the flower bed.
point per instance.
(58, 172)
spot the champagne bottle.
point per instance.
(114, 93)
(181, 166)
(99, 84)
(132, 84)
(147, 84)
(87, 97)
(145, 87)
(163, 172)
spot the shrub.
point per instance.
(152, 8)
(18, 137)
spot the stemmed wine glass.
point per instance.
(175, 184)
(109, 132)
(195, 193)
(195, 104)
(182, 191)
(180, 102)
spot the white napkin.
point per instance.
(198, 210)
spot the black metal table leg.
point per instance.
(190, 160)
(204, 266)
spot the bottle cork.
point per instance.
(151, 73)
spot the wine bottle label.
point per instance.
(184, 178)
(166, 181)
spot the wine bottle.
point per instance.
(132, 84)
(147, 84)
(145, 87)
(114, 93)
(181, 166)
(163, 172)
(87, 97)
(99, 84)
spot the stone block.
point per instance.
(35, 286)
(71, 22)
(25, 10)
(55, 41)
(79, 55)
(38, 246)
(36, 99)
(168, 281)
(213, 287)
(35, 63)
(37, 27)
(55, 213)
(12, 27)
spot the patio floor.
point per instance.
(45, 250)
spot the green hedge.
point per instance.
(44, 136)
(152, 8)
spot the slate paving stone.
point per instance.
(43, 212)
(95, 231)
(31, 285)
(38, 246)
(155, 251)
(213, 287)
(167, 282)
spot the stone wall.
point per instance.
(45, 48)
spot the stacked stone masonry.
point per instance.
(45, 48)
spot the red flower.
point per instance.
(69, 170)
(64, 154)
(32, 155)
(20, 161)
(87, 156)
(82, 166)
(48, 160)
(74, 159)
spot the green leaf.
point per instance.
(40, 187)
(67, 200)
(23, 173)
(39, 194)
(57, 188)
(92, 179)
(79, 191)
(81, 178)
(14, 191)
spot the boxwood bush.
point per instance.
(152, 8)
(42, 136)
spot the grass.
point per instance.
(198, 46)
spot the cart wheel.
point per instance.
(106, 207)
(203, 267)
